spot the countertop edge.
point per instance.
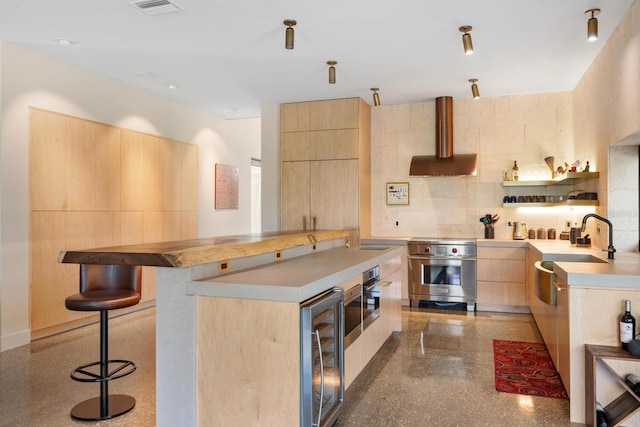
(199, 251)
(302, 283)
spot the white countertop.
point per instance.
(621, 272)
(295, 279)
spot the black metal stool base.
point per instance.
(90, 410)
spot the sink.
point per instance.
(545, 284)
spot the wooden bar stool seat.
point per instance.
(104, 288)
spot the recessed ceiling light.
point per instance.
(64, 42)
(172, 86)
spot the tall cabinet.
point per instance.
(326, 166)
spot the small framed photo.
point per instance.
(397, 193)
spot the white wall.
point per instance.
(27, 79)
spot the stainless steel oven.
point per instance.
(443, 270)
(352, 314)
(370, 296)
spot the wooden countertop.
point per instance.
(187, 253)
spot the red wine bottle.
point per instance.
(627, 326)
(601, 416)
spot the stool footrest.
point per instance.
(124, 368)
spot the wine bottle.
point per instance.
(633, 381)
(601, 416)
(515, 170)
(627, 326)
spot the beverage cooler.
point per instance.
(322, 358)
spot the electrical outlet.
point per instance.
(509, 224)
(567, 223)
(396, 223)
(598, 228)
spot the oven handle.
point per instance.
(352, 294)
(435, 258)
(371, 286)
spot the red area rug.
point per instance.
(526, 368)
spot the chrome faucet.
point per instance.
(610, 249)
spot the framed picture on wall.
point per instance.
(397, 193)
(226, 186)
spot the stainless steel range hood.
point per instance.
(444, 163)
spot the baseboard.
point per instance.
(74, 324)
(18, 339)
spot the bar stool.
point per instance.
(104, 288)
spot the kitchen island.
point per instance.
(235, 336)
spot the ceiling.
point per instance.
(227, 57)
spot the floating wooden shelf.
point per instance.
(564, 180)
(569, 202)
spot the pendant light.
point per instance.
(474, 88)
(376, 97)
(592, 25)
(288, 33)
(466, 39)
(332, 71)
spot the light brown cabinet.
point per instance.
(326, 191)
(563, 358)
(360, 352)
(502, 279)
(96, 185)
(325, 165)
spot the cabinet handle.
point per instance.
(304, 223)
(386, 283)
(317, 334)
(314, 223)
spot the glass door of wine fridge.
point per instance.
(321, 359)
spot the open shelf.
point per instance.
(621, 407)
(566, 179)
(569, 202)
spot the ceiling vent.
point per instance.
(155, 7)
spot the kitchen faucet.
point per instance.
(610, 249)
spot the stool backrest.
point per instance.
(95, 277)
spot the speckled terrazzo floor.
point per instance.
(437, 372)
(35, 388)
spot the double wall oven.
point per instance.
(361, 305)
(443, 270)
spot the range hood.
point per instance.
(444, 163)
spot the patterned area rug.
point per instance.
(526, 368)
